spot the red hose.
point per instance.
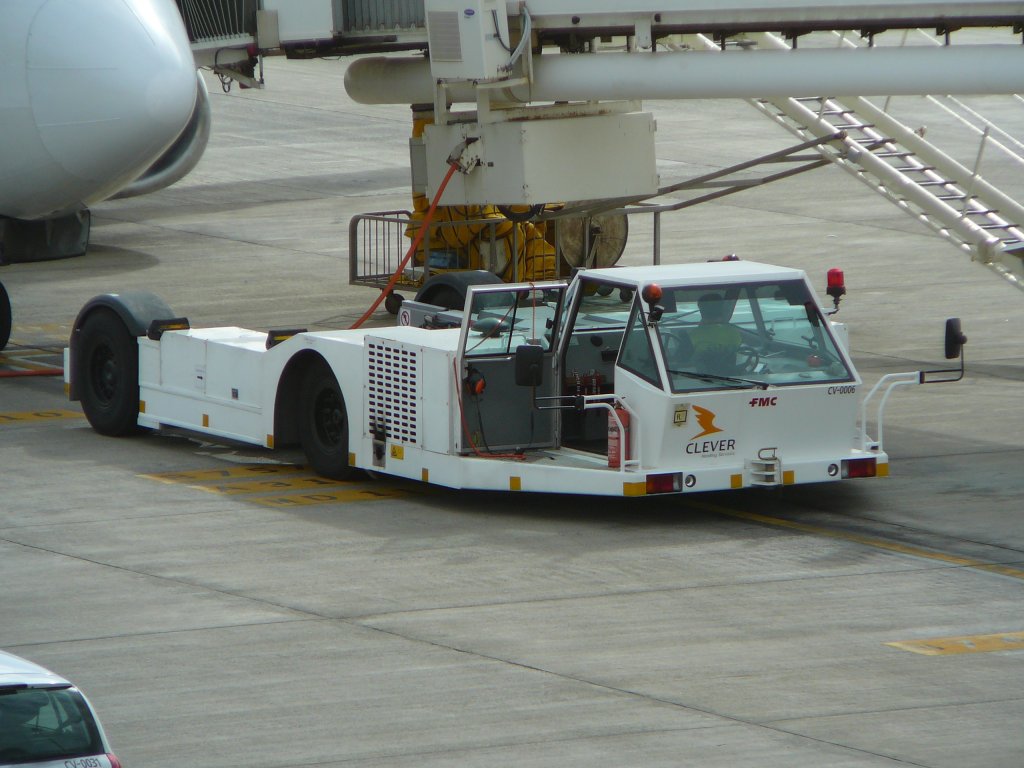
(412, 248)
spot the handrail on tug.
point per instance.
(891, 382)
(608, 402)
(955, 341)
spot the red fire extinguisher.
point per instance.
(618, 445)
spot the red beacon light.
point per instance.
(836, 286)
(651, 294)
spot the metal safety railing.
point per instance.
(379, 241)
(208, 20)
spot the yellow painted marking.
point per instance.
(241, 472)
(11, 418)
(425, 475)
(270, 441)
(735, 481)
(298, 482)
(25, 363)
(332, 497)
(634, 489)
(788, 477)
(947, 646)
(206, 420)
(882, 470)
(890, 546)
(351, 459)
(515, 483)
(54, 328)
(142, 406)
(397, 452)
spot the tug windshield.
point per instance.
(501, 318)
(749, 335)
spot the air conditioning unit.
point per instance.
(468, 39)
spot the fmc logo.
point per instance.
(763, 402)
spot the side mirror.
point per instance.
(529, 365)
(955, 338)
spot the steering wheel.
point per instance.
(747, 358)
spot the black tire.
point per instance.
(106, 374)
(448, 298)
(323, 423)
(6, 318)
(393, 302)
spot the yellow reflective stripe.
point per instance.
(634, 489)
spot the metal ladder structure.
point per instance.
(909, 171)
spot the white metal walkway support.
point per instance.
(909, 171)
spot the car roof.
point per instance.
(15, 670)
(680, 275)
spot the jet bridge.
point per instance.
(227, 35)
(537, 116)
(517, 88)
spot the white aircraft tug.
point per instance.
(625, 381)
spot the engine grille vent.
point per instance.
(392, 393)
(443, 34)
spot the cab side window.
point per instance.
(636, 355)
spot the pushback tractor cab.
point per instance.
(625, 381)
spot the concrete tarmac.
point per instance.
(223, 608)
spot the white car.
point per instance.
(46, 722)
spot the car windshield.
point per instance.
(38, 724)
(744, 336)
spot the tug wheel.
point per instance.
(106, 374)
(323, 423)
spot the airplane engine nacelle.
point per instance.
(182, 156)
(91, 94)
